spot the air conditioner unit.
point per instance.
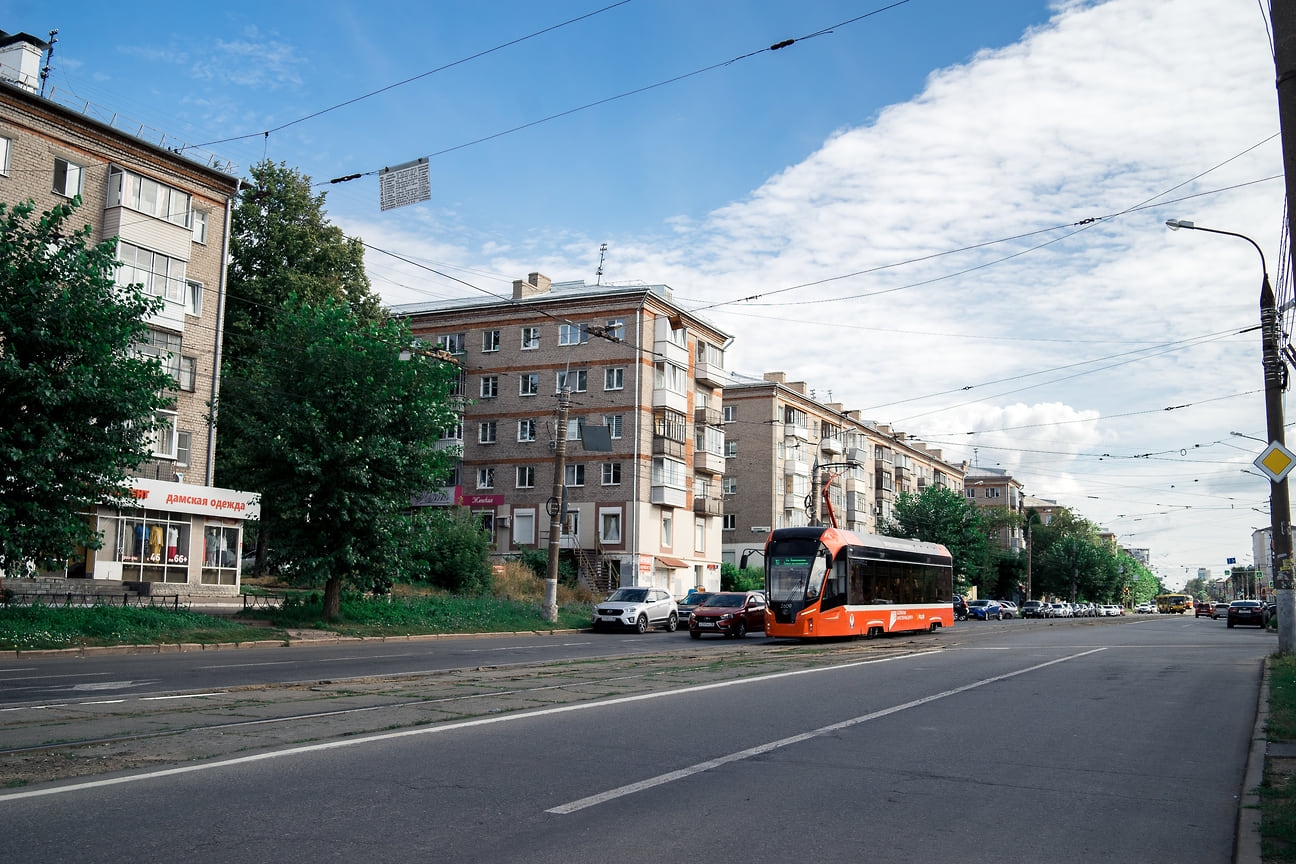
(760, 529)
(503, 521)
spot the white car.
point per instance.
(637, 609)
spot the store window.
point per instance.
(220, 555)
(152, 545)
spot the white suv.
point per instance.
(637, 608)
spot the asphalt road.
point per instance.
(1112, 741)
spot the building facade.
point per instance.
(644, 438)
(777, 432)
(168, 214)
(989, 488)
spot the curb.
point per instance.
(290, 642)
(1248, 847)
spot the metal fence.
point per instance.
(72, 599)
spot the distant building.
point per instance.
(776, 432)
(994, 487)
(167, 206)
(644, 378)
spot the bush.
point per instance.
(733, 579)
(451, 550)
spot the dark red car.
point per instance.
(729, 613)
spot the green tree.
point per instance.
(282, 245)
(336, 429)
(1074, 568)
(747, 579)
(941, 515)
(77, 406)
(1195, 588)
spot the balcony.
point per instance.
(855, 484)
(707, 462)
(669, 496)
(857, 454)
(708, 416)
(856, 513)
(709, 373)
(792, 430)
(832, 446)
(668, 447)
(796, 468)
(663, 398)
(665, 347)
(705, 506)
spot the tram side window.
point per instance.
(861, 582)
(834, 592)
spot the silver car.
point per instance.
(637, 609)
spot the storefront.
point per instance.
(184, 539)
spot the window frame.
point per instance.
(487, 432)
(79, 174)
(490, 341)
(526, 472)
(614, 378)
(530, 338)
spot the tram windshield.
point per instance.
(794, 571)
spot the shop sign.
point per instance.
(199, 500)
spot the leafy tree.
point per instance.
(1195, 588)
(77, 407)
(734, 579)
(941, 515)
(335, 429)
(451, 550)
(282, 245)
(1073, 567)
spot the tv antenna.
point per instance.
(599, 272)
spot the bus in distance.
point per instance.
(827, 582)
(1173, 603)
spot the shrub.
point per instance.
(451, 551)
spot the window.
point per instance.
(731, 448)
(523, 527)
(193, 298)
(614, 379)
(490, 341)
(670, 424)
(163, 439)
(188, 373)
(489, 386)
(668, 376)
(970, 493)
(486, 432)
(164, 346)
(613, 424)
(530, 338)
(668, 472)
(616, 328)
(528, 384)
(610, 526)
(668, 529)
(526, 430)
(578, 380)
(575, 428)
(699, 535)
(730, 486)
(525, 476)
(729, 522)
(574, 475)
(731, 413)
(572, 334)
(485, 478)
(200, 226)
(67, 178)
(145, 195)
(611, 473)
(159, 274)
(452, 342)
(6, 145)
(992, 493)
(453, 433)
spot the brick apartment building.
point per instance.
(995, 487)
(777, 431)
(644, 376)
(169, 214)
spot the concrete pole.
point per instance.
(1282, 15)
(556, 505)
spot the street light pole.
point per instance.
(1279, 500)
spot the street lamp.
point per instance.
(1279, 502)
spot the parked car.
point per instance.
(1245, 612)
(1036, 609)
(638, 609)
(729, 613)
(960, 608)
(985, 609)
(1203, 609)
(1145, 609)
(691, 602)
(1269, 611)
(1062, 610)
(1220, 609)
(1113, 609)
(1009, 609)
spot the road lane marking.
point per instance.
(760, 749)
(180, 696)
(432, 730)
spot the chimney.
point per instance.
(776, 377)
(536, 283)
(797, 386)
(20, 59)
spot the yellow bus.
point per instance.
(1176, 603)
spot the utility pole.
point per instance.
(556, 506)
(1282, 15)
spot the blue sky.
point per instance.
(861, 160)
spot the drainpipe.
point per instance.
(220, 335)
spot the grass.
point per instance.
(1278, 791)
(514, 604)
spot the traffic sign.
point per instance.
(1276, 461)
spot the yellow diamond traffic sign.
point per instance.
(1276, 461)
